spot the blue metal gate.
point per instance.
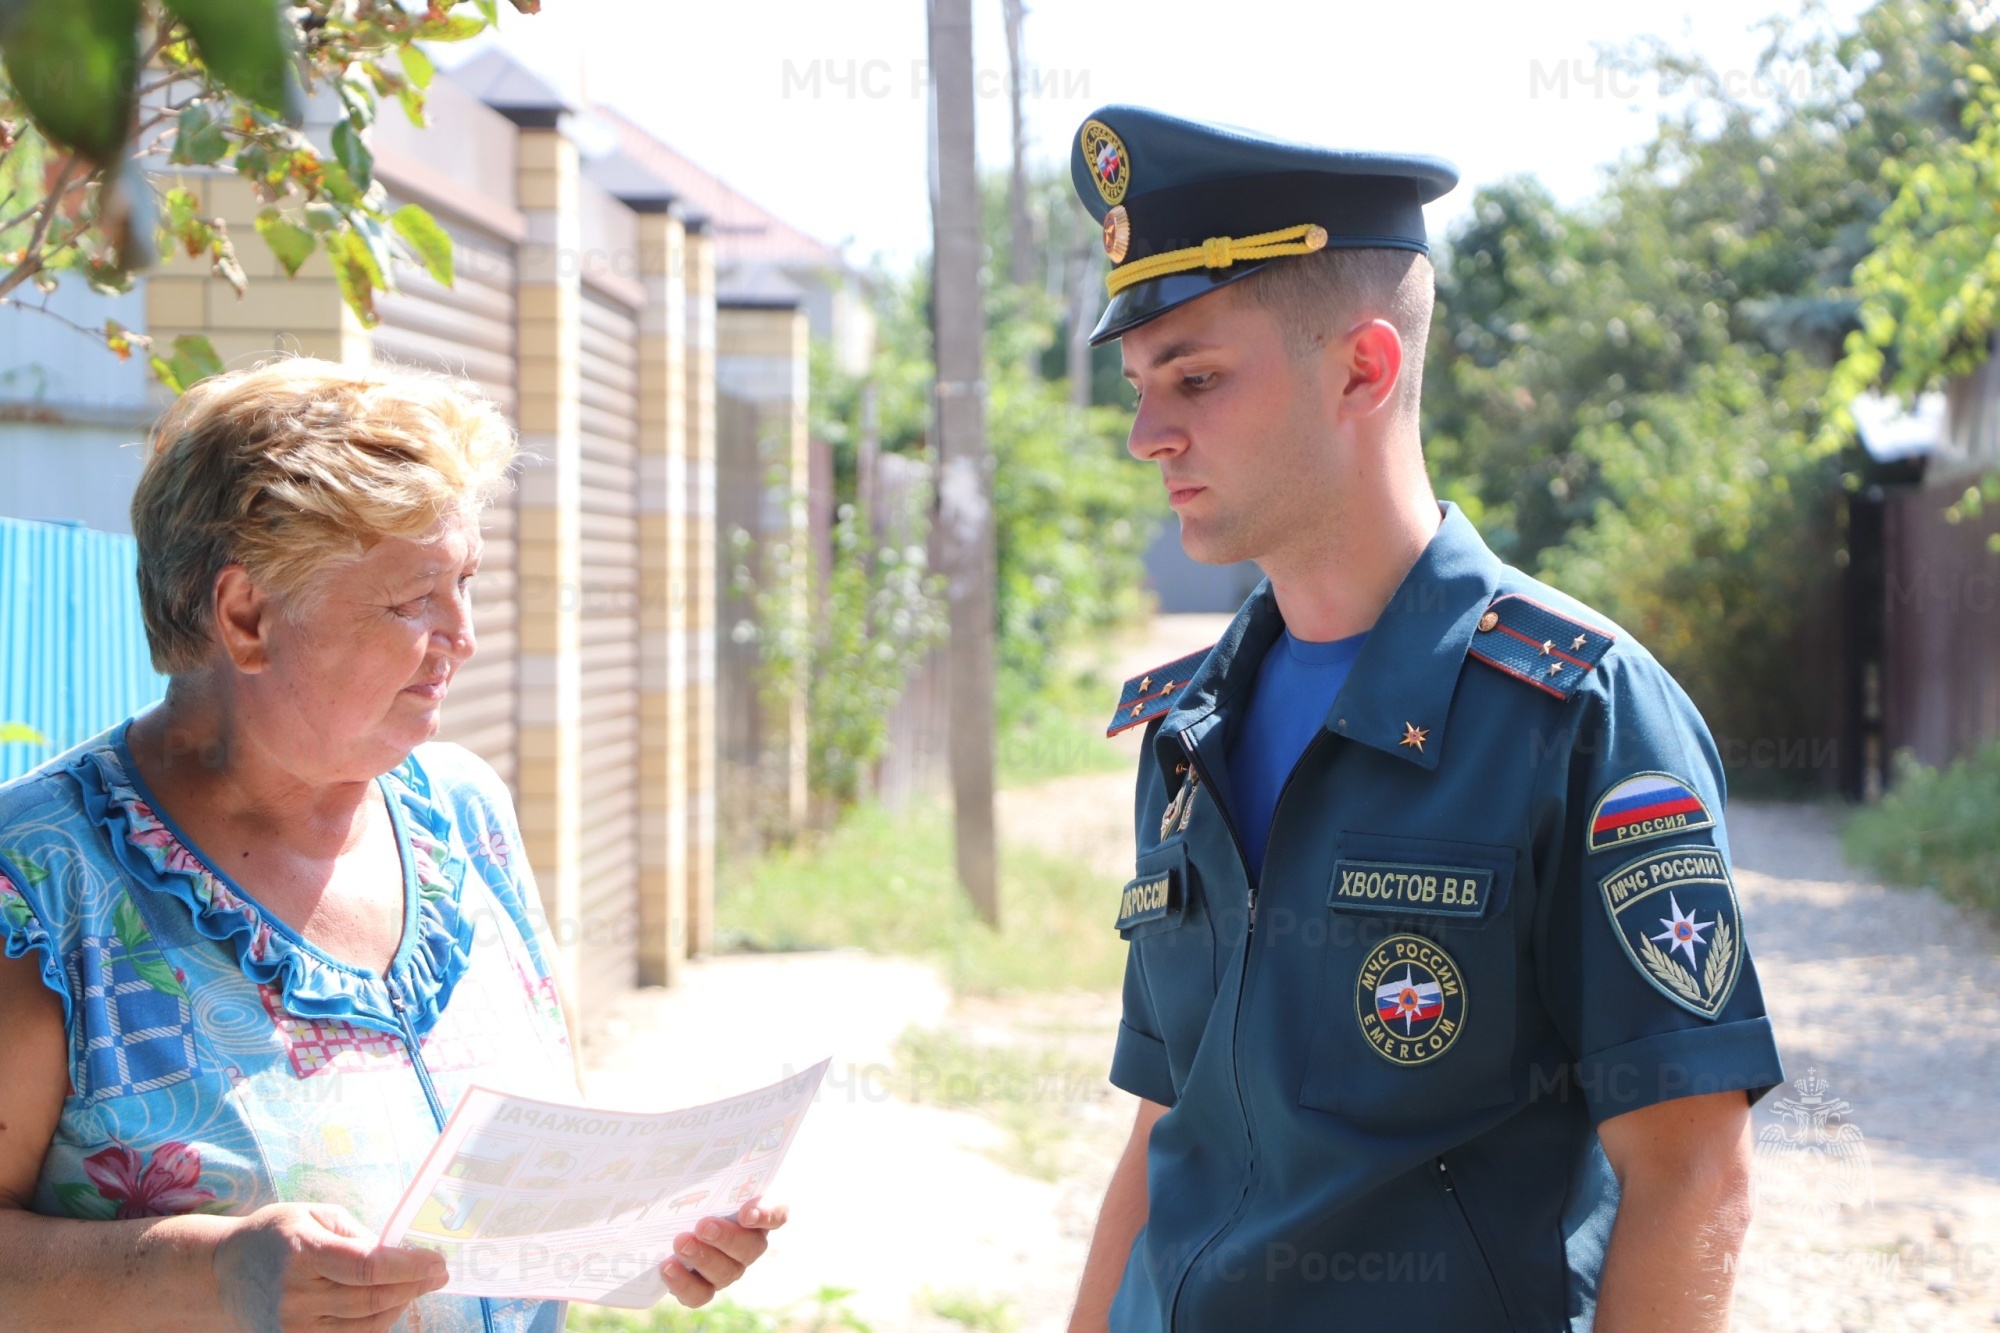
(73, 656)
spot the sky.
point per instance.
(818, 110)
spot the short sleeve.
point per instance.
(1139, 1060)
(1642, 948)
(26, 919)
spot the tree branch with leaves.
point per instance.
(101, 99)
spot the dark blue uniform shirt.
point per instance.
(1495, 910)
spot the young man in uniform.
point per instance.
(1437, 1000)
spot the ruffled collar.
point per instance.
(437, 934)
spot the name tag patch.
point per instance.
(1149, 898)
(1402, 888)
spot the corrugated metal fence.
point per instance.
(72, 646)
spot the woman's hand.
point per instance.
(308, 1266)
(717, 1251)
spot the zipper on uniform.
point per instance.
(416, 1050)
(1235, 1062)
(1236, 1022)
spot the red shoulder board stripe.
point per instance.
(1542, 646)
(1153, 693)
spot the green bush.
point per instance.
(1937, 828)
(1718, 558)
(1072, 515)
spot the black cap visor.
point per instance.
(1156, 296)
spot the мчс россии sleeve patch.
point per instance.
(1676, 913)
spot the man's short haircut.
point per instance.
(290, 468)
(1319, 296)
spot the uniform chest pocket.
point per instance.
(1165, 915)
(1415, 1022)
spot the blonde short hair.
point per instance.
(1312, 294)
(291, 467)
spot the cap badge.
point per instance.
(1117, 234)
(1104, 154)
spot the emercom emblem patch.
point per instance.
(1645, 806)
(1410, 998)
(1675, 912)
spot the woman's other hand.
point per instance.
(717, 1251)
(307, 1266)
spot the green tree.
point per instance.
(1929, 291)
(101, 98)
(1626, 393)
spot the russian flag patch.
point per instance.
(1643, 806)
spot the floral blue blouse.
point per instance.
(218, 1061)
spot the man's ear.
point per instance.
(243, 613)
(1374, 367)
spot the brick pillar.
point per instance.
(699, 283)
(664, 601)
(305, 314)
(548, 340)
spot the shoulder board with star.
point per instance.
(1152, 694)
(1531, 642)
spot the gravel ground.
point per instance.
(1879, 1175)
(1891, 997)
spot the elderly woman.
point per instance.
(259, 937)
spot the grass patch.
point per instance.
(883, 881)
(983, 1314)
(1059, 731)
(1937, 828)
(1030, 1092)
(824, 1312)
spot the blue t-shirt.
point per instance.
(1296, 686)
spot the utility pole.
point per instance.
(1020, 227)
(965, 504)
(1081, 269)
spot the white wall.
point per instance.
(82, 473)
(71, 413)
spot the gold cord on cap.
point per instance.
(1220, 252)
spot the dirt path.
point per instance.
(907, 1204)
(1890, 997)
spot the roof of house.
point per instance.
(744, 231)
(510, 88)
(642, 190)
(758, 285)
